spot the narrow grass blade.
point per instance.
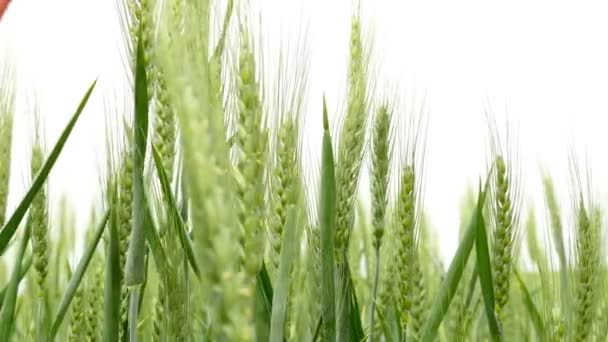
(12, 224)
(263, 305)
(531, 307)
(315, 337)
(7, 314)
(453, 276)
(390, 324)
(219, 48)
(485, 276)
(134, 269)
(77, 278)
(281, 293)
(24, 268)
(327, 220)
(134, 312)
(175, 213)
(111, 298)
(156, 247)
(355, 319)
(143, 287)
(343, 303)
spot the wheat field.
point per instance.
(215, 222)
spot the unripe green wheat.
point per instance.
(351, 144)
(419, 303)
(40, 243)
(284, 186)
(251, 146)
(406, 244)
(94, 297)
(504, 234)
(380, 169)
(165, 125)
(588, 242)
(39, 222)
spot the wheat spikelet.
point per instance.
(251, 144)
(379, 187)
(125, 219)
(419, 304)
(503, 235)
(406, 244)
(588, 227)
(351, 146)
(94, 300)
(284, 187)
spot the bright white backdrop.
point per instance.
(546, 60)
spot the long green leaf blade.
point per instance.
(453, 276)
(24, 268)
(327, 220)
(174, 213)
(111, 300)
(12, 224)
(77, 278)
(156, 247)
(281, 293)
(263, 305)
(7, 314)
(485, 276)
(531, 307)
(355, 319)
(135, 267)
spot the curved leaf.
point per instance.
(531, 307)
(485, 276)
(25, 266)
(454, 274)
(7, 314)
(281, 293)
(111, 298)
(12, 224)
(135, 266)
(327, 219)
(77, 278)
(175, 214)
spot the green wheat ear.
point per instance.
(284, 186)
(125, 218)
(379, 188)
(380, 174)
(40, 240)
(406, 244)
(503, 212)
(589, 227)
(352, 138)
(251, 145)
(504, 235)
(94, 297)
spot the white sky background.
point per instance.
(548, 60)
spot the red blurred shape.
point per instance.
(3, 6)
